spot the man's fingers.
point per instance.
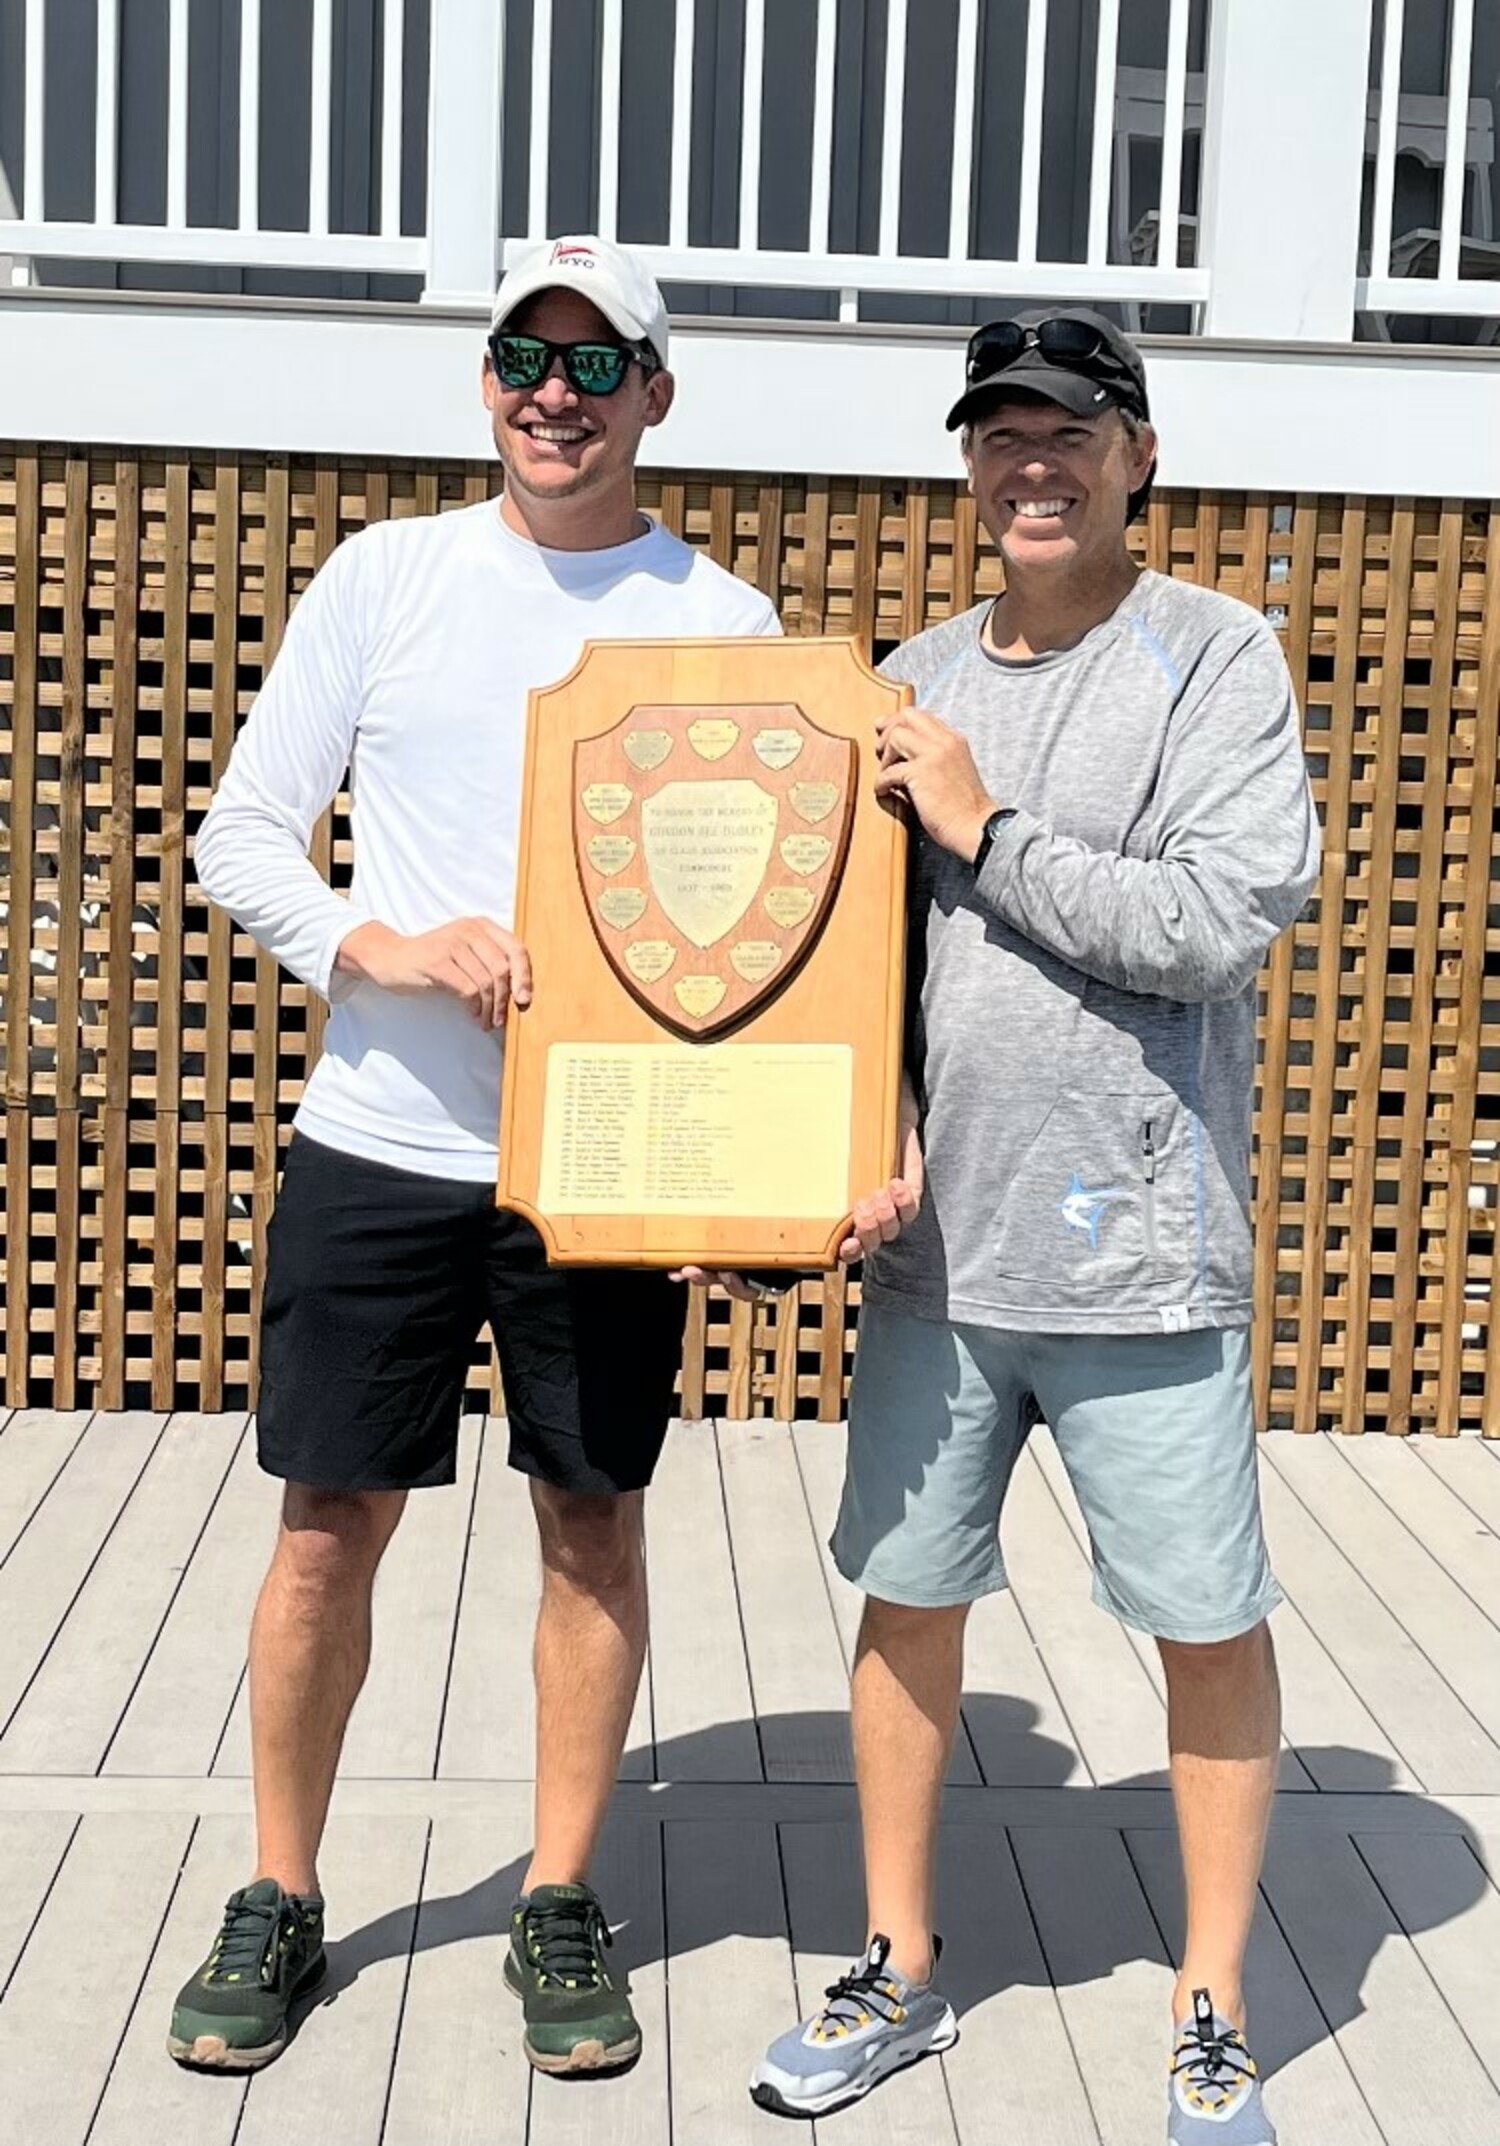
(517, 960)
(468, 979)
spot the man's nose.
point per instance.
(555, 391)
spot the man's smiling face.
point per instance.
(1054, 489)
(553, 441)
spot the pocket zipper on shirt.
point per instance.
(1148, 1170)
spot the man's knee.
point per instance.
(591, 1542)
(1205, 1661)
(332, 1540)
(904, 1624)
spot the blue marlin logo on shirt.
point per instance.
(1083, 1209)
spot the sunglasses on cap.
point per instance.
(1061, 340)
(524, 361)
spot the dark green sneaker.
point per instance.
(578, 2018)
(232, 2014)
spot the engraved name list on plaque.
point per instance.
(714, 903)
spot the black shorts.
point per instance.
(378, 1281)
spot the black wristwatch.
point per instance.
(992, 827)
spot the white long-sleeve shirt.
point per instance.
(409, 661)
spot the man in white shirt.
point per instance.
(410, 659)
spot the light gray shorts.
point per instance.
(1155, 1430)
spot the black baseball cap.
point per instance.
(1068, 355)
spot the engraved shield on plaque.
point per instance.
(723, 850)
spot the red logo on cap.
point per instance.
(584, 255)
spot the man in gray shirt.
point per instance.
(1115, 825)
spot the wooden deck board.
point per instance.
(1413, 2065)
(1371, 1966)
(177, 1714)
(1110, 1969)
(1452, 1632)
(797, 1671)
(1012, 2074)
(700, 1689)
(35, 1445)
(88, 1951)
(72, 1709)
(460, 2075)
(1431, 1727)
(726, 1932)
(51, 1560)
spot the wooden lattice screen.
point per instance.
(153, 1059)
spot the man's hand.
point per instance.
(876, 1220)
(475, 960)
(923, 759)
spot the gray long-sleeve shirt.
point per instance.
(1082, 1014)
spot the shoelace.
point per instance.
(247, 1940)
(864, 1989)
(1213, 2062)
(564, 1940)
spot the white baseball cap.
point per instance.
(608, 276)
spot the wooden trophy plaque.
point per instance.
(714, 901)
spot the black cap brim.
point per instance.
(1073, 391)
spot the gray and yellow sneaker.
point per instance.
(578, 2017)
(231, 2015)
(1213, 2086)
(872, 2023)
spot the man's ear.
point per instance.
(661, 393)
(1144, 457)
(489, 386)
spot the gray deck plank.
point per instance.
(1119, 1723)
(393, 1731)
(1017, 1724)
(116, 1878)
(49, 1563)
(1419, 2075)
(489, 1731)
(177, 1715)
(148, 2096)
(1466, 1545)
(825, 1899)
(489, 1724)
(791, 1641)
(1467, 1467)
(1012, 2075)
(32, 1846)
(819, 1448)
(34, 1449)
(332, 2083)
(461, 2077)
(1310, 2091)
(700, 1682)
(1436, 1734)
(1451, 1630)
(72, 1709)
(1451, 1912)
(634, 2108)
(1110, 1970)
(726, 1931)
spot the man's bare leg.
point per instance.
(1224, 1730)
(908, 1677)
(309, 1651)
(590, 1645)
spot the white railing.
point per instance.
(1444, 268)
(32, 232)
(1113, 266)
(1281, 114)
